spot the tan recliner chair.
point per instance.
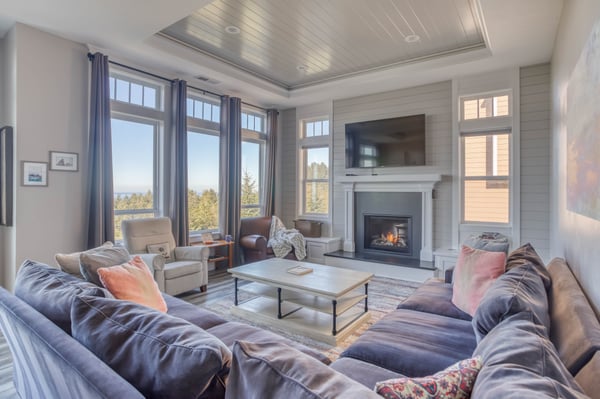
(180, 269)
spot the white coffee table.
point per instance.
(320, 304)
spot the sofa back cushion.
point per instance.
(48, 363)
(518, 290)
(50, 291)
(575, 330)
(267, 370)
(161, 355)
(587, 378)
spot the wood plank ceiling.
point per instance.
(297, 43)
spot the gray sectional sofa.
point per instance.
(534, 329)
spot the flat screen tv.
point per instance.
(386, 142)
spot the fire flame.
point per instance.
(391, 238)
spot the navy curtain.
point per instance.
(231, 169)
(270, 180)
(100, 203)
(178, 179)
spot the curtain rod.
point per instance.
(91, 57)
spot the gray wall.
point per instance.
(288, 167)
(573, 236)
(535, 157)
(51, 108)
(434, 100)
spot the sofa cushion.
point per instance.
(403, 339)
(233, 331)
(366, 373)
(526, 255)
(70, 262)
(575, 330)
(50, 291)
(587, 378)
(133, 282)
(518, 290)
(263, 370)
(475, 272)
(90, 261)
(519, 342)
(454, 382)
(182, 268)
(434, 296)
(194, 314)
(161, 355)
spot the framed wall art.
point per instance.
(64, 161)
(34, 173)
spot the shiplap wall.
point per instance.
(535, 157)
(433, 100)
(288, 167)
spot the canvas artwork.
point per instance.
(583, 131)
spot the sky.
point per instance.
(133, 158)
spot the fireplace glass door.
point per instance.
(388, 233)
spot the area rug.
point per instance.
(384, 296)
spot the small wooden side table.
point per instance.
(226, 249)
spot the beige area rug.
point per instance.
(384, 296)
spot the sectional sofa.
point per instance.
(535, 332)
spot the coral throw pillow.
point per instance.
(132, 281)
(455, 382)
(475, 272)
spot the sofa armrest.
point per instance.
(254, 242)
(197, 252)
(153, 261)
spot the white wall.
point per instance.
(573, 236)
(51, 93)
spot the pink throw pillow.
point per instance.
(454, 382)
(475, 272)
(132, 281)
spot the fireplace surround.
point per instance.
(420, 184)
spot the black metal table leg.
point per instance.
(279, 303)
(366, 297)
(334, 330)
(235, 282)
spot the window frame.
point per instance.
(260, 138)
(311, 142)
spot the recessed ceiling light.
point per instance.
(232, 30)
(302, 68)
(412, 38)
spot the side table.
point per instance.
(223, 251)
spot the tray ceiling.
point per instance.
(300, 43)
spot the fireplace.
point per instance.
(388, 233)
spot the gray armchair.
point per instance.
(180, 269)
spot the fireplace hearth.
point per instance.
(388, 233)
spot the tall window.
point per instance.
(486, 168)
(253, 163)
(136, 121)
(314, 167)
(203, 163)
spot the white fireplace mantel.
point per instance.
(389, 183)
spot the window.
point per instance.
(253, 161)
(136, 123)
(486, 177)
(314, 167)
(486, 135)
(202, 109)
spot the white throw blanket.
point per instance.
(282, 240)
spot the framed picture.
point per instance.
(65, 161)
(6, 176)
(34, 173)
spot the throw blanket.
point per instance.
(282, 240)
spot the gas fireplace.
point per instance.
(388, 233)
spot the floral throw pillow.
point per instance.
(455, 382)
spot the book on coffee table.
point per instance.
(299, 270)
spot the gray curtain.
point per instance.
(270, 180)
(100, 203)
(177, 174)
(231, 164)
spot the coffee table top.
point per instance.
(323, 280)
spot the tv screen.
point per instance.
(386, 142)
